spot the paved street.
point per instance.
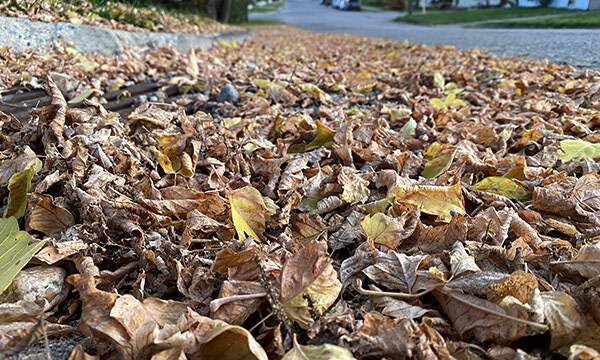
(579, 47)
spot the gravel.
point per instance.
(578, 47)
(22, 34)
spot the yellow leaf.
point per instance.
(434, 200)
(438, 165)
(15, 250)
(248, 213)
(439, 80)
(187, 166)
(314, 90)
(266, 84)
(437, 103)
(193, 65)
(355, 192)
(324, 137)
(366, 88)
(383, 229)
(432, 149)
(163, 160)
(502, 186)
(575, 148)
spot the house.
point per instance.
(570, 4)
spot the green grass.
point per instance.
(262, 22)
(272, 7)
(585, 20)
(466, 16)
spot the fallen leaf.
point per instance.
(434, 200)
(49, 218)
(248, 213)
(308, 284)
(15, 250)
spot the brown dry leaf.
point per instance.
(563, 317)
(382, 337)
(396, 271)
(235, 309)
(49, 218)
(308, 284)
(586, 263)
(138, 329)
(486, 320)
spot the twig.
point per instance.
(360, 289)
(217, 303)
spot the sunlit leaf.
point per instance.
(502, 186)
(575, 148)
(248, 213)
(187, 166)
(15, 250)
(439, 80)
(434, 200)
(384, 229)
(324, 137)
(314, 90)
(193, 65)
(437, 103)
(163, 160)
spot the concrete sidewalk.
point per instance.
(22, 34)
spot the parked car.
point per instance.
(326, 2)
(346, 4)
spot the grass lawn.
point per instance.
(585, 20)
(465, 16)
(262, 22)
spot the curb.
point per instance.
(22, 34)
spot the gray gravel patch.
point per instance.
(578, 47)
(22, 34)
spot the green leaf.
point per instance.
(321, 352)
(18, 186)
(502, 186)
(84, 95)
(408, 130)
(575, 148)
(15, 250)
(324, 137)
(248, 213)
(438, 165)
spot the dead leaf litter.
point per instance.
(358, 198)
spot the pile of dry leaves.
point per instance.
(116, 15)
(372, 200)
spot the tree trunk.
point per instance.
(211, 9)
(226, 11)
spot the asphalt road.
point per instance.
(578, 47)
